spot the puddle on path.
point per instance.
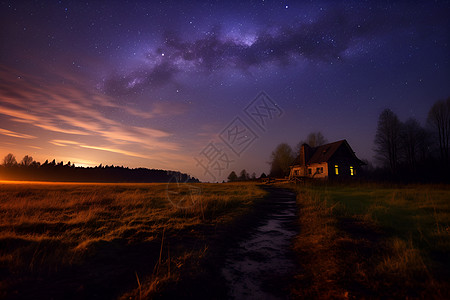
(253, 268)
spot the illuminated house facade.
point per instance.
(334, 160)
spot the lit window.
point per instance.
(352, 171)
(336, 169)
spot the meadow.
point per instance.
(110, 240)
(373, 241)
(135, 241)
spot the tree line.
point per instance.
(404, 151)
(409, 151)
(31, 170)
(281, 159)
(243, 176)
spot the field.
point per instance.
(138, 240)
(374, 241)
(109, 240)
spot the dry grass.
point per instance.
(316, 246)
(48, 228)
(373, 241)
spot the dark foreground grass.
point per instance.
(373, 241)
(72, 241)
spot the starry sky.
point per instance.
(193, 85)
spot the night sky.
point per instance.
(175, 85)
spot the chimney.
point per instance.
(305, 154)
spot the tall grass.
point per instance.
(46, 227)
(390, 241)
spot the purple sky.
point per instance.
(159, 85)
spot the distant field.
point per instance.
(120, 238)
(370, 240)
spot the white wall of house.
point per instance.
(318, 170)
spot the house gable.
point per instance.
(331, 160)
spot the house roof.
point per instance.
(325, 152)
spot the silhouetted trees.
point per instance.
(244, 175)
(412, 152)
(314, 139)
(439, 119)
(31, 170)
(26, 161)
(9, 160)
(387, 139)
(413, 143)
(281, 160)
(232, 177)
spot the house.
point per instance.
(334, 160)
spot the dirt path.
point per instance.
(252, 260)
(257, 268)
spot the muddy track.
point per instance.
(251, 259)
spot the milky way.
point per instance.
(143, 84)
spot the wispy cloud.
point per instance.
(16, 134)
(35, 147)
(115, 150)
(69, 110)
(64, 143)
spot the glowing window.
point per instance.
(352, 171)
(336, 169)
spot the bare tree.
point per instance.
(314, 139)
(280, 161)
(387, 139)
(27, 161)
(412, 139)
(9, 160)
(439, 119)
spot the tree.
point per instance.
(232, 177)
(253, 177)
(280, 160)
(387, 139)
(314, 139)
(412, 140)
(243, 175)
(27, 161)
(439, 119)
(9, 160)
